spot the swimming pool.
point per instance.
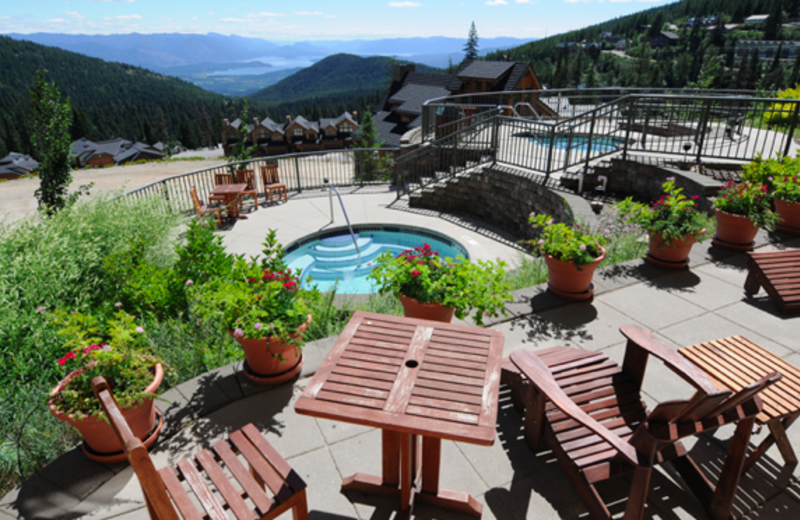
(580, 142)
(331, 257)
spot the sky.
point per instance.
(302, 20)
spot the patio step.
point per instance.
(367, 254)
(340, 248)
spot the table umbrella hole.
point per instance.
(411, 363)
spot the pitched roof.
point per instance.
(271, 125)
(19, 163)
(670, 35)
(412, 96)
(485, 69)
(305, 123)
(390, 127)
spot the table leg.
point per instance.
(777, 435)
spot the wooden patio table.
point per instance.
(419, 381)
(231, 193)
(734, 363)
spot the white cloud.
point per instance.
(330, 16)
(211, 13)
(527, 2)
(56, 20)
(619, 1)
(404, 4)
(497, 2)
(263, 15)
(124, 17)
(74, 14)
(193, 18)
(309, 13)
(584, 1)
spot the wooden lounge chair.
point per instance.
(778, 272)
(272, 183)
(203, 480)
(248, 177)
(204, 209)
(590, 412)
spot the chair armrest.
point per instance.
(540, 376)
(103, 393)
(677, 363)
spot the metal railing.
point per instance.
(300, 171)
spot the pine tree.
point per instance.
(370, 165)
(794, 79)
(774, 79)
(51, 142)
(240, 150)
(772, 25)
(147, 131)
(741, 75)
(577, 70)
(160, 132)
(754, 71)
(471, 47)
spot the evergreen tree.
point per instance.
(51, 142)
(774, 79)
(203, 125)
(471, 47)
(794, 79)
(147, 131)
(754, 71)
(741, 75)
(11, 135)
(643, 75)
(82, 126)
(160, 131)
(240, 150)
(718, 34)
(772, 25)
(577, 70)
(370, 166)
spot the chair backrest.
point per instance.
(248, 177)
(269, 174)
(223, 178)
(196, 200)
(155, 492)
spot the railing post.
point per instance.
(569, 149)
(791, 130)
(297, 173)
(589, 141)
(644, 128)
(631, 111)
(701, 129)
(550, 152)
(495, 145)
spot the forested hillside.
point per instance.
(332, 76)
(108, 99)
(705, 56)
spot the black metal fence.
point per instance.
(302, 171)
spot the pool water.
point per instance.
(581, 143)
(334, 259)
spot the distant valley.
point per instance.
(238, 66)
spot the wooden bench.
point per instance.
(733, 363)
(778, 272)
(203, 480)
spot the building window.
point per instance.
(311, 136)
(346, 127)
(277, 137)
(261, 134)
(297, 131)
(330, 132)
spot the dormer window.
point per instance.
(346, 127)
(277, 137)
(297, 131)
(261, 134)
(330, 132)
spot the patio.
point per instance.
(682, 308)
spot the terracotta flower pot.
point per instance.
(734, 232)
(426, 311)
(269, 361)
(570, 281)
(789, 217)
(100, 441)
(671, 256)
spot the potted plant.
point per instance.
(115, 350)
(673, 222)
(741, 209)
(262, 305)
(436, 288)
(786, 193)
(572, 254)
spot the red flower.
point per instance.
(415, 273)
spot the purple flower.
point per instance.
(188, 283)
(238, 333)
(583, 247)
(139, 330)
(549, 222)
(41, 309)
(257, 326)
(607, 231)
(541, 241)
(106, 347)
(769, 179)
(198, 298)
(670, 178)
(118, 304)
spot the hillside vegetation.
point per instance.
(704, 56)
(334, 75)
(108, 99)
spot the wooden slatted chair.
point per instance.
(248, 177)
(590, 412)
(272, 182)
(204, 209)
(223, 178)
(203, 480)
(778, 272)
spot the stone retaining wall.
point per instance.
(504, 197)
